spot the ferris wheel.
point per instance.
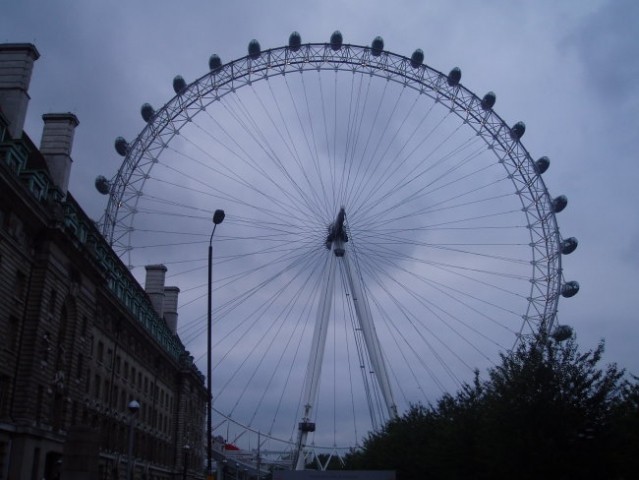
(386, 234)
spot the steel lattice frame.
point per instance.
(545, 241)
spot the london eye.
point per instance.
(386, 234)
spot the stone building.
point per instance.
(79, 337)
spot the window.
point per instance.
(126, 370)
(100, 352)
(117, 364)
(96, 386)
(38, 413)
(62, 411)
(12, 334)
(5, 382)
(74, 413)
(37, 189)
(52, 300)
(46, 347)
(19, 288)
(16, 227)
(80, 368)
(109, 358)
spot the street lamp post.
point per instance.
(218, 217)
(134, 408)
(186, 449)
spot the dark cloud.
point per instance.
(607, 45)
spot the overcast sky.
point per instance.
(568, 69)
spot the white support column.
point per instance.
(365, 319)
(336, 244)
(314, 369)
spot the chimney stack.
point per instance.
(56, 144)
(154, 286)
(16, 65)
(170, 307)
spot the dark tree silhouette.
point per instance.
(546, 410)
(624, 432)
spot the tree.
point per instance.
(624, 431)
(546, 411)
(428, 442)
(396, 446)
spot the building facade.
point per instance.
(79, 337)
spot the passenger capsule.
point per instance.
(179, 85)
(561, 333)
(215, 62)
(569, 245)
(569, 289)
(377, 47)
(336, 40)
(542, 165)
(102, 185)
(254, 49)
(559, 203)
(517, 131)
(147, 112)
(488, 101)
(454, 77)
(121, 146)
(417, 58)
(295, 41)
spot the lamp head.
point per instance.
(134, 406)
(218, 217)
